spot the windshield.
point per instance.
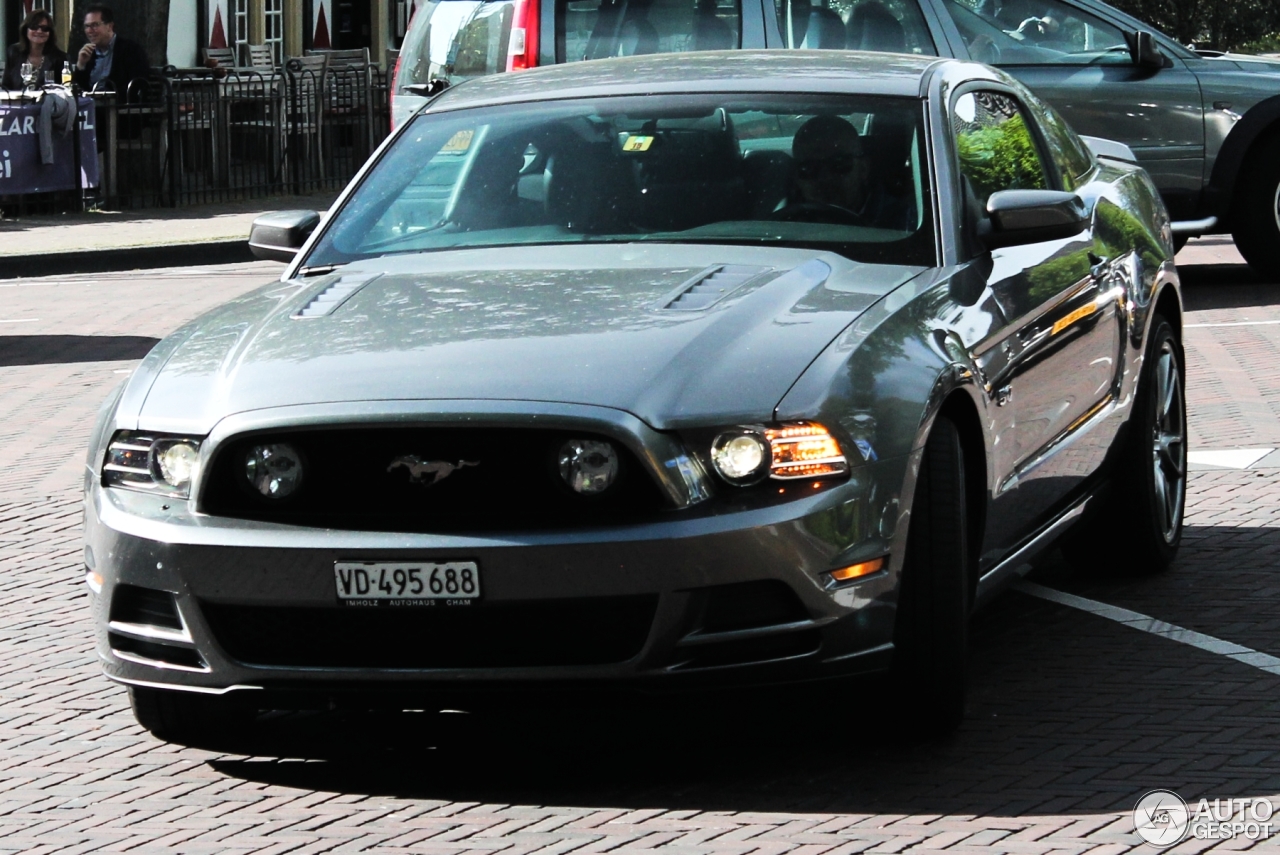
(844, 174)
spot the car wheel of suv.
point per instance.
(196, 720)
(1139, 525)
(931, 631)
(1256, 214)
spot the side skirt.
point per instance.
(1018, 563)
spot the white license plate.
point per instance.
(399, 581)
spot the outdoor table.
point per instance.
(21, 170)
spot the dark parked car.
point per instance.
(648, 373)
(1207, 128)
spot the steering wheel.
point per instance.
(818, 212)
(984, 49)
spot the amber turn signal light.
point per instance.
(857, 571)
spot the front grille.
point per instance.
(596, 631)
(510, 482)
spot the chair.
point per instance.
(194, 114)
(304, 109)
(225, 57)
(349, 101)
(262, 56)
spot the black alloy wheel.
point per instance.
(1137, 526)
(931, 632)
(1155, 487)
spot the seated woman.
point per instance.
(35, 45)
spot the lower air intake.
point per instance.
(596, 631)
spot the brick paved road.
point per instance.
(1072, 716)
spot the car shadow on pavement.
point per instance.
(1225, 286)
(1068, 713)
(60, 349)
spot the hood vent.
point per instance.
(338, 292)
(711, 286)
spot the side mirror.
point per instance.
(429, 89)
(279, 235)
(1143, 50)
(1031, 216)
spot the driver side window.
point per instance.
(995, 146)
(1037, 32)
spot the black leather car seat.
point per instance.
(709, 31)
(873, 27)
(769, 177)
(589, 189)
(825, 30)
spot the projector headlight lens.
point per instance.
(177, 460)
(152, 463)
(741, 457)
(588, 466)
(273, 469)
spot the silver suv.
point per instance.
(1207, 127)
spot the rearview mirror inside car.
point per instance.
(279, 235)
(1030, 216)
(1144, 51)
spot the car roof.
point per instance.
(756, 71)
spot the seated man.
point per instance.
(833, 180)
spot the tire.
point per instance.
(1155, 483)
(931, 631)
(186, 718)
(1138, 529)
(1256, 210)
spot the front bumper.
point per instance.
(259, 608)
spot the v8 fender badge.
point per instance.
(428, 472)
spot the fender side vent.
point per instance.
(711, 286)
(338, 292)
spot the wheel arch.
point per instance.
(1259, 126)
(1169, 306)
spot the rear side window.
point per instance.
(893, 26)
(455, 40)
(596, 29)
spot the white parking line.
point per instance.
(18, 320)
(1235, 324)
(1229, 458)
(1137, 620)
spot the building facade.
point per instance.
(291, 27)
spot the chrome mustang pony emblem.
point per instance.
(420, 469)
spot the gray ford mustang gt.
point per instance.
(648, 374)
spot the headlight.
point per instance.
(273, 469)
(804, 450)
(153, 463)
(588, 466)
(741, 458)
(746, 455)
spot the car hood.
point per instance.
(1248, 62)
(597, 325)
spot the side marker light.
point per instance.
(857, 571)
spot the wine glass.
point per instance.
(28, 74)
